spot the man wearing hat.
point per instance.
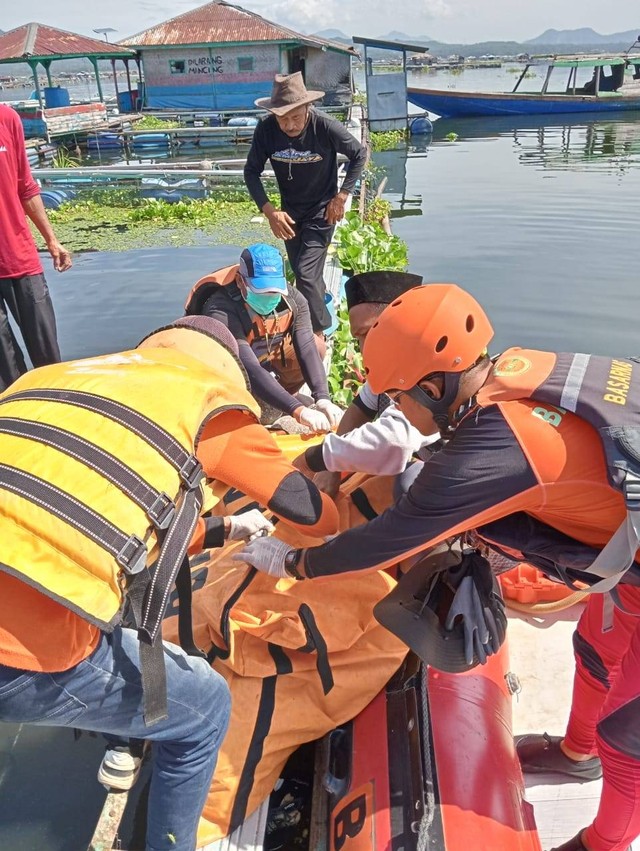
(302, 146)
(374, 436)
(270, 322)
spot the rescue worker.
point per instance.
(102, 469)
(373, 436)
(302, 145)
(530, 435)
(270, 321)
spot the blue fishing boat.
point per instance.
(614, 86)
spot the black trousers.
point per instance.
(307, 252)
(28, 300)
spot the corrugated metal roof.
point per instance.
(218, 23)
(32, 41)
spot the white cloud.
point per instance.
(372, 18)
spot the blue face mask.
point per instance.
(264, 303)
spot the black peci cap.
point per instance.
(379, 287)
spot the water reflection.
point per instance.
(556, 144)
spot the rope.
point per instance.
(547, 608)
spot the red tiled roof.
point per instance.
(219, 22)
(37, 40)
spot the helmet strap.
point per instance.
(439, 407)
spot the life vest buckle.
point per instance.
(133, 556)
(631, 492)
(191, 472)
(162, 511)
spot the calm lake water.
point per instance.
(538, 220)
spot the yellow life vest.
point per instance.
(95, 459)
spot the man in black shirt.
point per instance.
(303, 146)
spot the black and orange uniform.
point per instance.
(513, 464)
(280, 343)
(53, 599)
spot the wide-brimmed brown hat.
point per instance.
(288, 92)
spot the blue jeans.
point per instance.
(104, 694)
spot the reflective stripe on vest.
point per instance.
(605, 392)
(77, 428)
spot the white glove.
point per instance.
(266, 555)
(314, 419)
(332, 412)
(249, 525)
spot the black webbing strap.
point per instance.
(158, 506)
(149, 594)
(185, 621)
(129, 551)
(153, 434)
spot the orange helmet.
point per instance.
(431, 328)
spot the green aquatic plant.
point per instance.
(387, 140)
(346, 371)
(377, 210)
(364, 247)
(63, 159)
(452, 137)
(150, 122)
(119, 220)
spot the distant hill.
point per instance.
(584, 36)
(394, 35)
(585, 40)
(333, 35)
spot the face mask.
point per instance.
(263, 304)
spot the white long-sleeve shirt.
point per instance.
(383, 447)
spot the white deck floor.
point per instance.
(542, 657)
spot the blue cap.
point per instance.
(262, 268)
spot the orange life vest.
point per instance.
(265, 334)
(603, 391)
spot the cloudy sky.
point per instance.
(463, 21)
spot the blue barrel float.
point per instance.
(53, 198)
(55, 97)
(104, 141)
(151, 140)
(420, 126)
(242, 121)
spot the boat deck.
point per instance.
(542, 657)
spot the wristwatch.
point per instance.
(291, 561)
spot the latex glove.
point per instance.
(332, 412)
(314, 419)
(249, 525)
(267, 555)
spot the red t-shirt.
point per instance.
(18, 253)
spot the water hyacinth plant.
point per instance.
(364, 247)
